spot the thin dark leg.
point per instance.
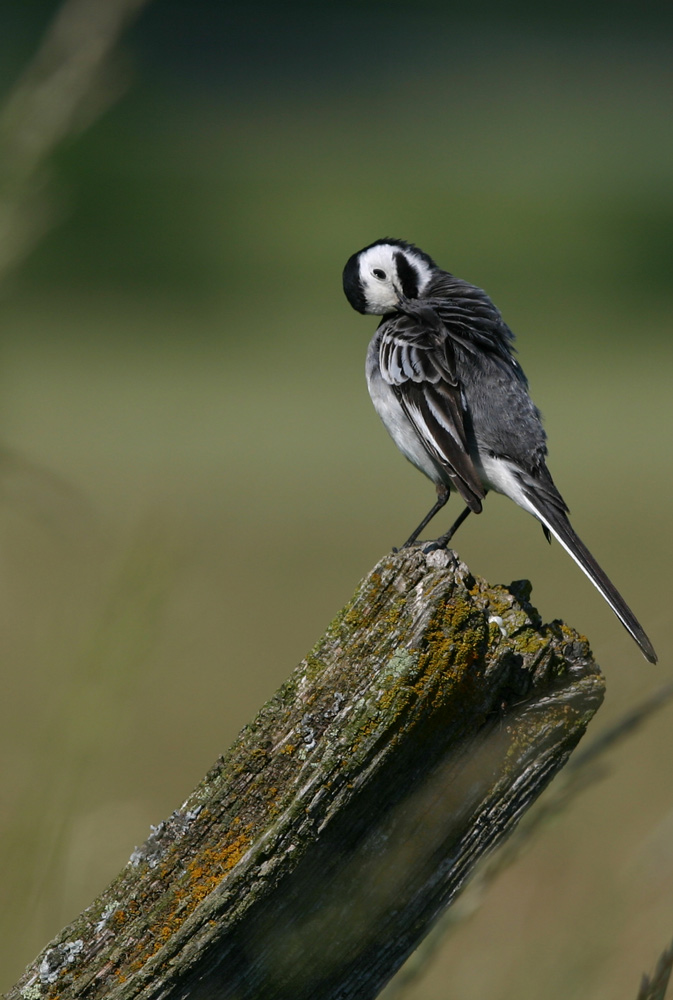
(442, 497)
(444, 539)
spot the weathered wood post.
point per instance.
(320, 848)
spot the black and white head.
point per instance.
(379, 278)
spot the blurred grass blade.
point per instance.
(65, 86)
(655, 988)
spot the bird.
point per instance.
(442, 375)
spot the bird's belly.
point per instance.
(402, 430)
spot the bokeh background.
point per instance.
(193, 479)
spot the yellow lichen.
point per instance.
(202, 875)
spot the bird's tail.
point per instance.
(555, 520)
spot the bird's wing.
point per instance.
(416, 359)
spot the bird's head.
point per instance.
(379, 278)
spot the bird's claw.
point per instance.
(434, 546)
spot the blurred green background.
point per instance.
(193, 479)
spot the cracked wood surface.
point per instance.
(318, 851)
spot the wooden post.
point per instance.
(321, 847)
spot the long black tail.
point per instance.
(559, 525)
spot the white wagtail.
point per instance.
(442, 376)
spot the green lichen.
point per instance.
(402, 663)
(455, 641)
(528, 642)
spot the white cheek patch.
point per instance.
(379, 298)
(380, 293)
(380, 257)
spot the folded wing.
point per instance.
(417, 360)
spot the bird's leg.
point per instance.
(442, 497)
(444, 539)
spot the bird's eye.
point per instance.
(378, 273)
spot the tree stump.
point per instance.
(320, 849)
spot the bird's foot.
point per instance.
(435, 546)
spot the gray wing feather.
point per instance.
(418, 363)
